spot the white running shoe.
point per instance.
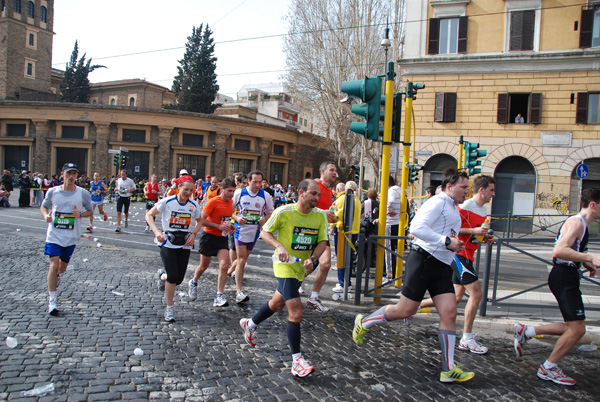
(193, 289)
(249, 334)
(301, 288)
(301, 368)
(520, 339)
(315, 304)
(160, 283)
(52, 308)
(338, 288)
(472, 346)
(169, 317)
(555, 375)
(241, 297)
(220, 301)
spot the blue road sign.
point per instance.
(582, 171)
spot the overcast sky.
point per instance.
(110, 28)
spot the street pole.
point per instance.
(460, 153)
(362, 168)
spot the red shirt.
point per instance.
(218, 211)
(150, 195)
(326, 197)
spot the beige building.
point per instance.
(484, 62)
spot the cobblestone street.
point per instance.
(110, 306)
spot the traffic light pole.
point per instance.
(385, 174)
(460, 153)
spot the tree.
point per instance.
(75, 86)
(331, 41)
(195, 85)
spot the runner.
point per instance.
(98, 189)
(569, 255)
(213, 190)
(152, 191)
(216, 219)
(181, 223)
(301, 234)
(241, 181)
(62, 209)
(253, 208)
(435, 226)
(124, 187)
(473, 215)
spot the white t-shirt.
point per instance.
(252, 206)
(64, 228)
(124, 185)
(177, 217)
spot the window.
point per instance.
(276, 173)
(528, 105)
(448, 35)
(241, 145)
(278, 149)
(113, 101)
(588, 108)
(30, 9)
(522, 25)
(192, 140)
(445, 107)
(18, 6)
(132, 102)
(589, 35)
(30, 69)
(3, 5)
(194, 164)
(16, 130)
(31, 40)
(73, 132)
(240, 165)
(131, 135)
(43, 14)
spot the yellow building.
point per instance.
(484, 62)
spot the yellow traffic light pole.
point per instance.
(460, 153)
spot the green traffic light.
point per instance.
(369, 91)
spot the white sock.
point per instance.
(467, 336)
(314, 295)
(529, 331)
(251, 325)
(296, 356)
(52, 296)
(549, 365)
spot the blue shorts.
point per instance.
(288, 287)
(249, 246)
(54, 250)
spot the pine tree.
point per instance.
(75, 86)
(195, 85)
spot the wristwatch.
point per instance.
(448, 241)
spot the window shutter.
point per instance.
(516, 30)
(502, 108)
(450, 107)
(463, 24)
(582, 108)
(585, 29)
(528, 28)
(439, 107)
(535, 108)
(434, 36)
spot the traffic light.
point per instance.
(413, 173)
(396, 117)
(471, 156)
(356, 169)
(116, 160)
(124, 159)
(369, 91)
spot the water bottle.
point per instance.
(340, 296)
(39, 391)
(588, 348)
(275, 258)
(485, 225)
(11, 342)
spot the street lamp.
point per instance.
(385, 44)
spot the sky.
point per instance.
(112, 31)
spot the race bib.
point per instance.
(251, 217)
(64, 220)
(180, 220)
(304, 239)
(150, 203)
(122, 190)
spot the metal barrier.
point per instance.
(541, 224)
(488, 275)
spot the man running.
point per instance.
(473, 214)
(569, 255)
(63, 208)
(328, 175)
(301, 240)
(125, 187)
(436, 226)
(98, 188)
(213, 190)
(152, 191)
(216, 219)
(253, 208)
(181, 223)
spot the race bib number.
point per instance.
(251, 217)
(96, 193)
(122, 190)
(150, 203)
(304, 239)
(64, 220)
(180, 220)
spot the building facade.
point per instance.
(486, 64)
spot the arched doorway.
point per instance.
(515, 193)
(432, 171)
(578, 185)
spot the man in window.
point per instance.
(519, 119)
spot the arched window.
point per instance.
(43, 14)
(30, 9)
(132, 102)
(113, 102)
(18, 6)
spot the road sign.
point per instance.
(123, 149)
(114, 151)
(582, 171)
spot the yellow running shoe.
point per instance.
(456, 375)
(359, 331)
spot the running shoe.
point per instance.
(315, 304)
(192, 289)
(456, 375)
(220, 301)
(90, 229)
(118, 229)
(169, 316)
(147, 229)
(358, 333)
(160, 283)
(52, 308)
(105, 217)
(241, 297)
(126, 223)
(555, 375)
(472, 346)
(301, 368)
(338, 288)
(520, 339)
(249, 334)
(301, 288)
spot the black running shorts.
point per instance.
(564, 284)
(123, 202)
(209, 244)
(175, 261)
(463, 274)
(426, 273)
